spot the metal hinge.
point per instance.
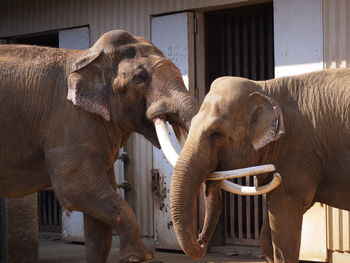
(124, 158)
(195, 25)
(125, 186)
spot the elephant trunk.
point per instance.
(171, 98)
(188, 176)
(188, 107)
(213, 202)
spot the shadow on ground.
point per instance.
(55, 250)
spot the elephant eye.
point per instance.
(141, 76)
(217, 135)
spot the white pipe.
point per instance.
(251, 190)
(172, 156)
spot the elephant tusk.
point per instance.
(172, 156)
(251, 190)
(238, 173)
(164, 140)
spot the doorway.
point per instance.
(239, 42)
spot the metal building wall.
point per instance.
(336, 33)
(336, 19)
(18, 17)
(143, 198)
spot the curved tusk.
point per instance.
(251, 190)
(164, 140)
(238, 173)
(172, 156)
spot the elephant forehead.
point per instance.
(220, 104)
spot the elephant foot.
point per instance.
(136, 257)
(135, 252)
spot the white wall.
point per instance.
(76, 38)
(298, 30)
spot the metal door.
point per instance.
(239, 42)
(172, 35)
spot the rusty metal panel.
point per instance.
(172, 35)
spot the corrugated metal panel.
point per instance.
(142, 160)
(338, 229)
(337, 55)
(336, 33)
(18, 17)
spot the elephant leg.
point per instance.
(266, 241)
(94, 195)
(116, 212)
(286, 215)
(98, 239)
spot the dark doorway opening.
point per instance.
(47, 40)
(49, 209)
(239, 42)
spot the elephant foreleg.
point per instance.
(266, 241)
(285, 214)
(93, 194)
(285, 223)
(98, 239)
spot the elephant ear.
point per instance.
(87, 85)
(266, 121)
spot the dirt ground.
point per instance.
(55, 250)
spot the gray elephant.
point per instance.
(301, 124)
(65, 114)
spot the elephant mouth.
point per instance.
(223, 176)
(150, 132)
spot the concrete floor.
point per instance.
(55, 250)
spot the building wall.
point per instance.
(18, 17)
(298, 36)
(336, 33)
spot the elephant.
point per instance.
(301, 124)
(66, 113)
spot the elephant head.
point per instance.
(127, 81)
(234, 122)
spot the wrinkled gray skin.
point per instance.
(300, 124)
(65, 114)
